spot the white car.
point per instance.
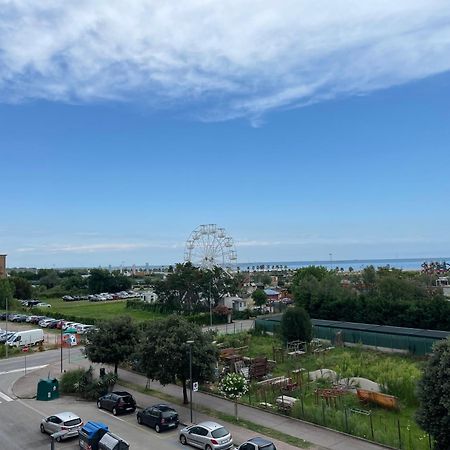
(43, 305)
(45, 322)
(82, 329)
(66, 421)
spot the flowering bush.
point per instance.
(233, 386)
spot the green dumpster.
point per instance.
(47, 389)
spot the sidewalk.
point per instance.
(320, 438)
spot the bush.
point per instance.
(83, 383)
(296, 325)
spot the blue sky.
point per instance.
(335, 143)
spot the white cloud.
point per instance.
(96, 247)
(229, 59)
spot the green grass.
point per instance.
(98, 310)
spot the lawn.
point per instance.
(398, 374)
(98, 310)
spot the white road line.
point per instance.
(5, 397)
(23, 369)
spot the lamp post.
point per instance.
(6, 325)
(210, 306)
(61, 345)
(190, 375)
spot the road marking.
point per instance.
(23, 369)
(5, 397)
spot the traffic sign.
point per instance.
(195, 386)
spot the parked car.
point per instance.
(44, 323)
(5, 336)
(159, 417)
(53, 324)
(43, 305)
(117, 402)
(31, 318)
(83, 329)
(257, 443)
(65, 421)
(207, 435)
(26, 337)
(37, 319)
(18, 318)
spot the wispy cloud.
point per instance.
(229, 59)
(340, 240)
(95, 247)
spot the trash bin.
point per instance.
(47, 389)
(90, 435)
(110, 441)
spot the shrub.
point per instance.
(296, 325)
(83, 383)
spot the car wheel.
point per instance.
(42, 428)
(99, 404)
(114, 411)
(208, 447)
(139, 420)
(157, 428)
(59, 439)
(183, 439)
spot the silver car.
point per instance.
(65, 421)
(207, 436)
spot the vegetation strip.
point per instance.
(270, 432)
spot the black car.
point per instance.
(117, 402)
(159, 417)
(257, 443)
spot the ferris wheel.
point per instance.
(209, 246)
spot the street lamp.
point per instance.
(190, 375)
(6, 325)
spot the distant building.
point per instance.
(149, 296)
(234, 303)
(443, 283)
(272, 294)
(2, 266)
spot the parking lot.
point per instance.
(25, 433)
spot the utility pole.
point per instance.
(210, 305)
(190, 375)
(6, 326)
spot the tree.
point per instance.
(234, 386)
(296, 325)
(102, 281)
(165, 352)
(6, 292)
(318, 272)
(22, 288)
(434, 396)
(113, 341)
(259, 297)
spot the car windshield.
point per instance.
(168, 413)
(73, 422)
(127, 399)
(268, 447)
(220, 432)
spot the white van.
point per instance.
(28, 337)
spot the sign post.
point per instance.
(25, 350)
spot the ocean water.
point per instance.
(356, 264)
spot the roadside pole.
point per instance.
(25, 350)
(61, 345)
(6, 325)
